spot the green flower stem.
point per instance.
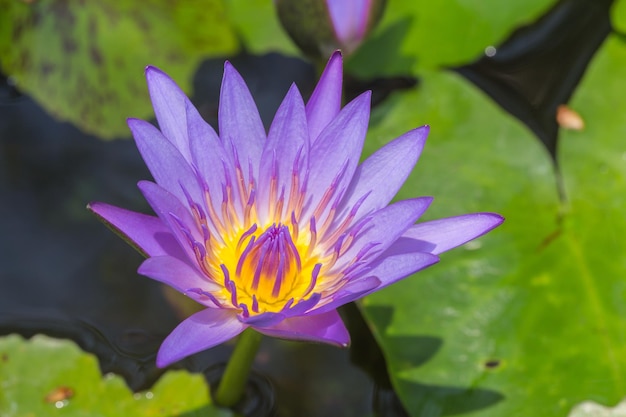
(233, 382)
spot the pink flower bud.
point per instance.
(319, 27)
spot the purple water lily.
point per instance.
(275, 231)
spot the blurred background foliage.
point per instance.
(526, 102)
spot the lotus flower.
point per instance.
(275, 231)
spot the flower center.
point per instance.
(275, 266)
(265, 271)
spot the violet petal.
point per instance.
(167, 165)
(387, 225)
(148, 233)
(393, 268)
(239, 120)
(396, 160)
(176, 273)
(338, 148)
(166, 206)
(451, 232)
(322, 328)
(287, 140)
(168, 101)
(325, 102)
(207, 152)
(203, 330)
(350, 292)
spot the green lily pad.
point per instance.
(257, 24)
(45, 376)
(430, 34)
(532, 323)
(83, 61)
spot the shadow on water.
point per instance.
(539, 66)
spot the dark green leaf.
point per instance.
(84, 61)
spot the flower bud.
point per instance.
(319, 27)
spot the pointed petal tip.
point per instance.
(293, 89)
(434, 259)
(419, 135)
(492, 219)
(232, 77)
(137, 229)
(162, 359)
(336, 58)
(158, 79)
(451, 232)
(166, 357)
(148, 185)
(142, 129)
(325, 101)
(486, 218)
(484, 222)
(200, 331)
(132, 122)
(96, 207)
(362, 101)
(334, 63)
(151, 69)
(144, 185)
(229, 69)
(344, 344)
(153, 73)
